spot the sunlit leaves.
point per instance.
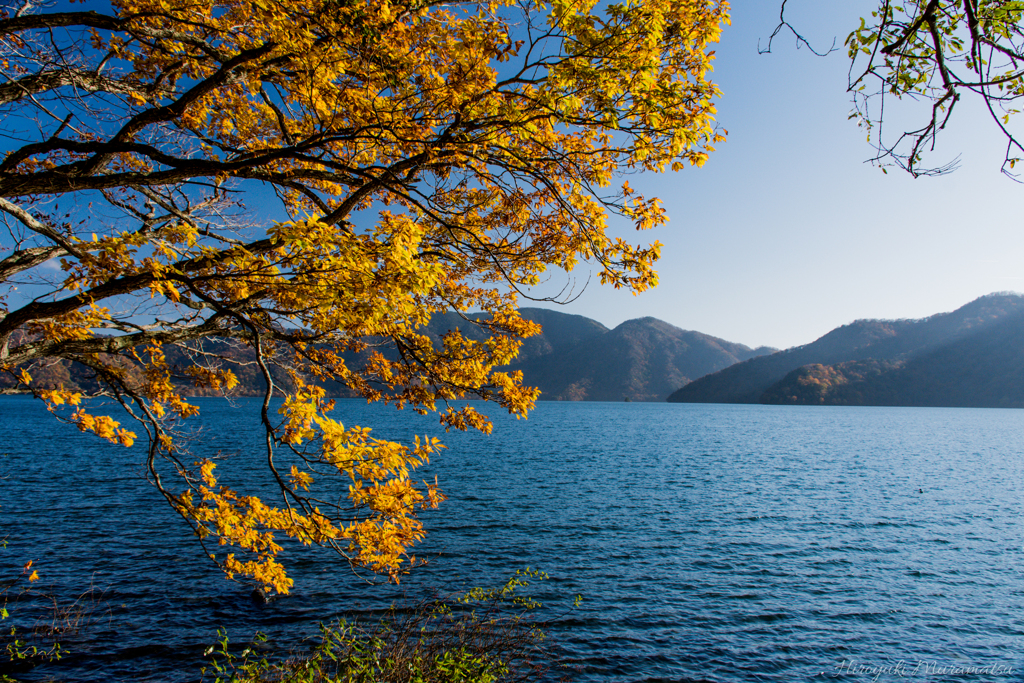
(431, 158)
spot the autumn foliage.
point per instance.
(312, 180)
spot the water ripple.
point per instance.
(711, 543)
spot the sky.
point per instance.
(786, 232)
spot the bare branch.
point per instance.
(800, 40)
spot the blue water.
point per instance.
(710, 542)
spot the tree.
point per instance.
(938, 51)
(934, 52)
(422, 156)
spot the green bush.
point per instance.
(18, 648)
(484, 636)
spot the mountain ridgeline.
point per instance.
(579, 359)
(971, 357)
(573, 359)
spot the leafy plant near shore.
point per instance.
(35, 623)
(483, 636)
(16, 645)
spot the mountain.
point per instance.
(573, 359)
(579, 359)
(559, 331)
(640, 360)
(973, 356)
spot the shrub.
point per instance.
(483, 636)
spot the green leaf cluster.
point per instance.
(482, 636)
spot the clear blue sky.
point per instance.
(786, 233)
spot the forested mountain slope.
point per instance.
(579, 359)
(573, 359)
(966, 357)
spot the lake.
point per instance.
(710, 542)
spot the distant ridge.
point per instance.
(573, 359)
(971, 357)
(579, 359)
